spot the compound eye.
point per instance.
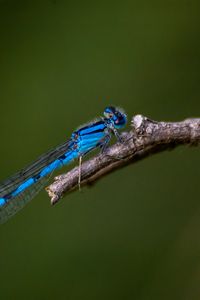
(108, 115)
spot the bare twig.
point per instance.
(145, 138)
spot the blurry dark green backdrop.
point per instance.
(135, 234)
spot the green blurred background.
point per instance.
(135, 234)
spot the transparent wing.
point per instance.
(15, 203)
(18, 202)
(34, 168)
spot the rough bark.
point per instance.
(145, 138)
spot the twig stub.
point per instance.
(144, 139)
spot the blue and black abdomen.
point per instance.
(23, 186)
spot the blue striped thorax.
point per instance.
(20, 188)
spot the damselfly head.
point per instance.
(116, 116)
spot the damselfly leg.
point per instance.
(79, 173)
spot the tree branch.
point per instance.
(146, 137)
